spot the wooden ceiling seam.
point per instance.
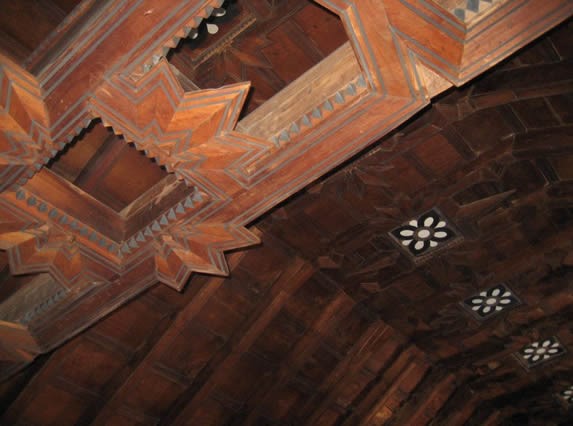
(233, 177)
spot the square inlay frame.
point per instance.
(540, 352)
(491, 302)
(425, 235)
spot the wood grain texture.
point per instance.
(399, 54)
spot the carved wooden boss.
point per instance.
(91, 259)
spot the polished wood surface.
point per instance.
(329, 322)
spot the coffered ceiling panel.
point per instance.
(426, 279)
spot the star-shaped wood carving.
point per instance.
(112, 68)
(181, 131)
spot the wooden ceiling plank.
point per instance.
(294, 277)
(433, 392)
(328, 320)
(243, 176)
(124, 361)
(345, 372)
(187, 315)
(459, 408)
(373, 406)
(100, 163)
(12, 47)
(111, 388)
(43, 13)
(110, 402)
(70, 162)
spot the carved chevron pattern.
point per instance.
(34, 300)
(187, 29)
(52, 240)
(182, 123)
(321, 111)
(190, 133)
(472, 8)
(60, 247)
(113, 68)
(177, 213)
(42, 212)
(199, 248)
(24, 141)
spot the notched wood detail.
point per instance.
(181, 123)
(400, 53)
(172, 38)
(19, 312)
(307, 100)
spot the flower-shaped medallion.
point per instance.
(567, 395)
(490, 302)
(541, 351)
(424, 234)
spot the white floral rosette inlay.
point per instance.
(541, 351)
(567, 395)
(491, 301)
(425, 233)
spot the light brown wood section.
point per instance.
(470, 10)
(300, 97)
(59, 192)
(107, 244)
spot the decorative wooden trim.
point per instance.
(400, 54)
(25, 145)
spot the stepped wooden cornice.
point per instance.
(111, 66)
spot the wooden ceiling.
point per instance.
(332, 320)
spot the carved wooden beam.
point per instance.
(110, 65)
(25, 144)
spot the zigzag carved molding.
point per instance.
(400, 54)
(186, 130)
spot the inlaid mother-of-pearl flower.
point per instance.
(541, 351)
(491, 301)
(424, 233)
(567, 394)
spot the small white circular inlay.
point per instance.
(424, 233)
(491, 301)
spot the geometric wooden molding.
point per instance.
(224, 174)
(25, 144)
(25, 313)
